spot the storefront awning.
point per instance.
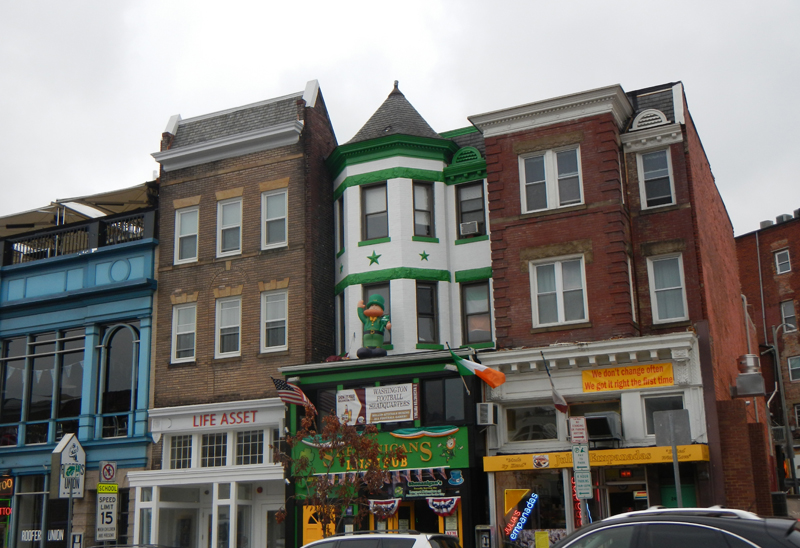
(599, 457)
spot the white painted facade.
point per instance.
(403, 252)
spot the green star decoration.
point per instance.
(424, 256)
(373, 259)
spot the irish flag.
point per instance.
(490, 376)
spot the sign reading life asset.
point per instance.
(69, 459)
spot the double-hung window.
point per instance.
(667, 294)
(655, 174)
(273, 314)
(423, 209)
(229, 227)
(186, 225)
(550, 180)
(229, 319)
(787, 314)
(426, 313)
(476, 315)
(782, 263)
(184, 320)
(559, 291)
(375, 218)
(794, 368)
(273, 214)
(339, 225)
(471, 213)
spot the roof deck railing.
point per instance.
(78, 237)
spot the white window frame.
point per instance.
(782, 263)
(192, 450)
(264, 220)
(218, 327)
(231, 448)
(680, 395)
(793, 360)
(551, 179)
(557, 262)
(792, 316)
(220, 205)
(651, 279)
(642, 187)
(179, 213)
(264, 299)
(176, 330)
(633, 289)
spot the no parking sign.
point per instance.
(108, 471)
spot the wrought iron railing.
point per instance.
(78, 237)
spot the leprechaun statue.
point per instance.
(375, 322)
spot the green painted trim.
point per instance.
(466, 173)
(340, 253)
(459, 132)
(429, 346)
(470, 240)
(388, 147)
(473, 275)
(401, 273)
(385, 175)
(478, 345)
(425, 239)
(368, 371)
(373, 242)
(387, 346)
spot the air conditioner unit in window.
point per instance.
(487, 414)
(778, 434)
(470, 227)
(603, 425)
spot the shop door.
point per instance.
(204, 528)
(312, 528)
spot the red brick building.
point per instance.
(245, 286)
(770, 274)
(613, 256)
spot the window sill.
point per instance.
(660, 209)
(553, 211)
(561, 327)
(374, 242)
(227, 359)
(282, 351)
(429, 346)
(487, 344)
(482, 238)
(173, 365)
(427, 239)
(284, 245)
(670, 324)
(340, 253)
(230, 254)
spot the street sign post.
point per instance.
(580, 457)
(577, 430)
(107, 494)
(583, 484)
(108, 471)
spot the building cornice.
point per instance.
(191, 476)
(611, 99)
(654, 137)
(269, 138)
(631, 350)
(426, 148)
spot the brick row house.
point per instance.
(245, 287)
(770, 275)
(613, 264)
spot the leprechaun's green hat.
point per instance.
(376, 299)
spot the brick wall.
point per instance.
(599, 229)
(738, 462)
(302, 267)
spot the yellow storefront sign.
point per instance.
(628, 377)
(602, 457)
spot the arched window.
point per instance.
(119, 359)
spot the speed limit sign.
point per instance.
(106, 511)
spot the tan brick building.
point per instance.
(245, 286)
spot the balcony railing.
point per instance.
(78, 237)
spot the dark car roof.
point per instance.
(765, 532)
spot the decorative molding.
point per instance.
(473, 275)
(272, 137)
(231, 193)
(611, 100)
(654, 137)
(273, 284)
(649, 118)
(180, 203)
(181, 297)
(227, 291)
(402, 273)
(386, 175)
(273, 185)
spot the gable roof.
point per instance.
(395, 116)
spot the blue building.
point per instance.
(76, 313)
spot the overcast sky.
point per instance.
(87, 87)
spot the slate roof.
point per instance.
(208, 127)
(474, 139)
(395, 116)
(657, 97)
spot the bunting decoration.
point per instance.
(443, 506)
(384, 508)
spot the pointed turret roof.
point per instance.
(395, 116)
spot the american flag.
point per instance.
(290, 394)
